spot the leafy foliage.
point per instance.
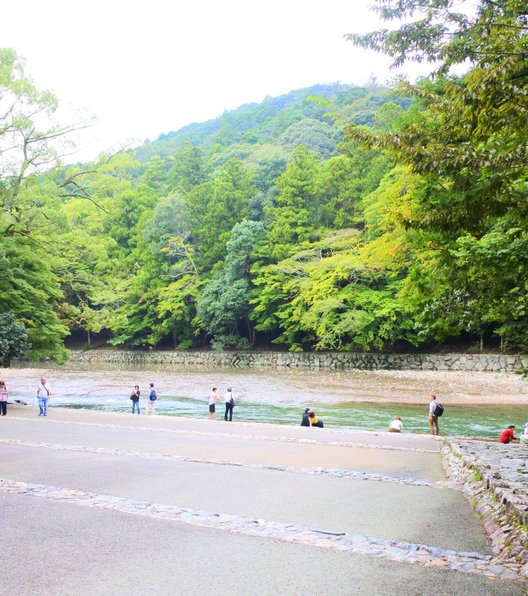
(13, 339)
(331, 218)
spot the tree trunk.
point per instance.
(251, 332)
(88, 338)
(174, 339)
(482, 342)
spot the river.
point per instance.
(476, 403)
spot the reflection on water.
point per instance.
(357, 399)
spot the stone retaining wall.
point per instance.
(308, 360)
(495, 482)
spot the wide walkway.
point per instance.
(99, 503)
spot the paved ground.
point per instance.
(57, 541)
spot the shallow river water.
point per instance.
(476, 404)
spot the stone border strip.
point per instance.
(313, 471)
(399, 551)
(498, 507)
(235, 436)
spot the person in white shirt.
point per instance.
(43, 395)
(396, 425)
(229, 404)
(213, 397)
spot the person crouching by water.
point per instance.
(508, 435)
(229, 404)
(305, 421)
(213, 397)
(314, 420)
(134, 396)
(3, 398)
(396, 425)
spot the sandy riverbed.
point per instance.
(281, 386)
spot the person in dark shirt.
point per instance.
(305, 421)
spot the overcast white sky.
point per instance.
(148, 67)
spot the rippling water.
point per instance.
(477, 404)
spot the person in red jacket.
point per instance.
(508, 434)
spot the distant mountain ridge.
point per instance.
(303, 116)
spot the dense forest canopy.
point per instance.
(332, 218)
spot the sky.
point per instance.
(146, 68)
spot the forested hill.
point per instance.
(332, 218)
(279, 124)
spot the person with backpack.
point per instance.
(435, 410)
(151, 402)
(229, 405)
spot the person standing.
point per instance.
(151, 402)
(43, 395)
(134, 396)
(213, 398)
(229, 404)
(433, 418)
(3, 398)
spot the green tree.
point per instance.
(215, 207)
(295, 215)
(224, 305)
(13, 339)
(31, 142)
(466, 137)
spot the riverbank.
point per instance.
(128, 494)
(477, 404)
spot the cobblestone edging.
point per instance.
(400, 551)
(313, 471)
(182, 431)
(495, 479)
(308, 360)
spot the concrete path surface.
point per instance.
(97, 503)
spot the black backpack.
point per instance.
(439, 410)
